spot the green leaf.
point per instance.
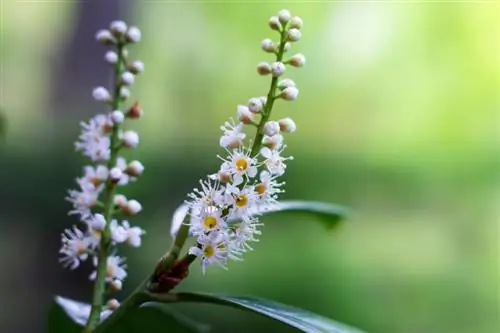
(330, 214)
(3, 125)
(69, 316)
(301, 319)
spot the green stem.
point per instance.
(266, 111)
(104, 246)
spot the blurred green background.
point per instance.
(398, 118)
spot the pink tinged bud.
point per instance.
(287, 125)
(289, 94)
(117, 117)
(136, 67)
(128, 78)
(244, 114)
(293, 35)
(255, 104)
(274, 23)
(115, 174)
(135, 111)
(284, 16)
(271, 128)
(277, 69)
(135, 169)
(118, 28)
(297, 60)
(267, 45)
(116, 285)
(104, 37)
(224, 177)
(133, 35)
(111, 57)
(101, 94)
(263, 68)
(113, 304)
(130, 139)
(132, 207)
(285, 83)
(296, 22)
(120, 200)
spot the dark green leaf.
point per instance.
(301, 319)
(330, 214)
(3, 125)
(69, 316)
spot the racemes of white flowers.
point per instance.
(224, 212)
(100, 140)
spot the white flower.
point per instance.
(207, 220)
(115, 174)
(213, 250)
(115, 269)
(134, 234)
(74, 248)
(133, 207)
(135, 168)
(211, 194)
(277, 69)
(271, 128)
(273, 142)
(128, 78)
(284, 16)
(84, 199)
(268, 188)
(111, 57)
(134, 35)
(240, 164)
(233, 135)
(294, 35)
(121, 163)
(94, 141)
(255, 104)
(130, 139)
(113, 304)
(287, 125)
(118, 233)
(120, 200)
(245, 232)
(96, 175)
(98, 222)
(117, 117)
(242, 200)
(289, 94)
(244, 114)
(297, 60)
(104, 36)
(274, 161)
(101, 94)
(118, 28)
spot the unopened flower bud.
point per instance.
(134, 169)
(136, 67)
(255, 104)
(101, 94)
(296, 22)
(273, 142)
(98, 222)
(104, 37)
(285, 83)
(113, 304)
(293, 35)
(115, 174)
(263, 99)
(132, 207)
(274, 23)
(297, 60)
(271, 128)
(118, 28)
(287, 125)
(277, 68)
(124, 92)
(133, 35)
(289, 94)
(224, 177)
(128, 78)
(244, 114)
(116, 285)
(284, 16)
(287, 47)
(264, 68)
(135, 111)
(268, 45)
(117, 117)
(130, 139)
(111, 57)
(120, 200)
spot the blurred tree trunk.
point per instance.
(81, 66)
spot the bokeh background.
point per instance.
(398, 118)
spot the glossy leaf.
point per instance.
(301, 319)
(330, 214)
(69, 316)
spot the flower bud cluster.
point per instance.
(224, 211)
(101, 139)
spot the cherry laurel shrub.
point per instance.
(223, 215)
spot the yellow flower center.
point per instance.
(209, 251)
(261, 188)
(210, 222)
(241, 164)
(241, 200)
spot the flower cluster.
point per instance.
(224, 212)
(96, 201)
